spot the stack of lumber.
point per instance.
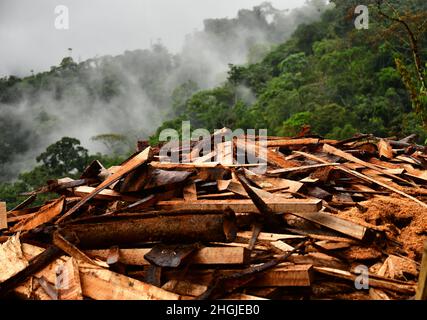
(319, 219)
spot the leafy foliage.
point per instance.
(329, 75)
(64, 157)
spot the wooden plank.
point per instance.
(343, 198)
(361, 191)
(335, 223)
(292, 142)
(362, 188)
(101, 284)
(265, 236)
(332, 150)
(217, 195)
(422, 281)
(332, 245)
(232, 186)
(309, 180)
(223, 184)
(221, 256)
(301, 168)
(44, 215)
(385, 150)
(204, 256)
(23, 212)
(3, 216)
(68, 281)
(384, 185)
(375, 281)
(366, 178)
(282, 246)
(224, 154)
(20, 218)
(12, 259)
(247, 206)
(107, 194)
(327, 220)
(242, 245)
(377, 294)
(266, 183)
(279, 160)
(285, 275)
(183, 166)
(48, 272)
(190, 192)
(395, 171)
(185, 288)
(384, 164)
(129, 166)
(318, 259)
(318, 193)
(354, 166)
(406, 159)
(154, 179)
(420, 174)
(316, 236)
(170, 227)
(264, 155)
(70, 249)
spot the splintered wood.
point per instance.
(11, 258)
(250, 219)
(3, 216)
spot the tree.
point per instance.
(13, 141)
(65, 157)
(116, 144)
(180, 96)
(295, 123)
(413, 23)
(330, 120)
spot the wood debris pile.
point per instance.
(320, 219)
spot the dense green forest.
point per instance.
(129, 95)
(329, 75)
(326, 74)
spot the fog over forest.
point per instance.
(131, 93)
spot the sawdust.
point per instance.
(359, 253)
(404, 219)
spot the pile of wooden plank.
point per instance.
(317, 219)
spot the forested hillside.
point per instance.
(338, 80)
(129, 95)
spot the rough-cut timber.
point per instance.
(204, 256)
(168, 228)
(276, 205)
(293, 219)
(46, 214)
(3, 216)
(130, 165)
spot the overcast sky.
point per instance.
(29, 39)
